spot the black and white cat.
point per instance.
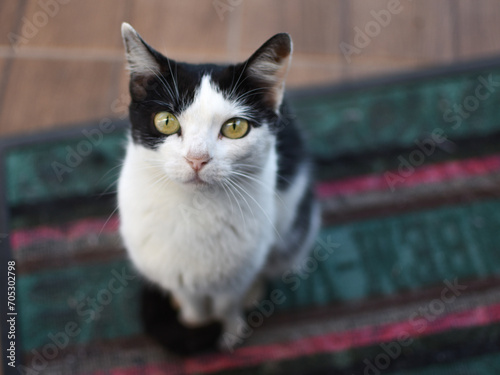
(215, 191)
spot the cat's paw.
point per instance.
(227, 343)
(234, 334)
(161, 322)
(255, 293)
(193, 322)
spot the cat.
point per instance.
(215, 193)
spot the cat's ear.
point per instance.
(270, 63)
(142, 58)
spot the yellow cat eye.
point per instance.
(235, 128)
(166, 123)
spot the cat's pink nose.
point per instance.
(197, 162)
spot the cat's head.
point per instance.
(203, 124)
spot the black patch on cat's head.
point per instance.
(158, 83)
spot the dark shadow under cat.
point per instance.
(160, 322)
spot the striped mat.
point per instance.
(404, 277)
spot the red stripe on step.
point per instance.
(426, 174)
(75, 230)
(338, 341)
(154, 369)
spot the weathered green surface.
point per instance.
(397, 115)
(99, 301)
(384, 256)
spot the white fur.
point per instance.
(201, 240)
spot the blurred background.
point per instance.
(61, 61)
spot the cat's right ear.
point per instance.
(142, 59)
(269, 64)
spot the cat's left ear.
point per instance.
(269, 65)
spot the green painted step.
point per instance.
(395, 115)
(389, 255)
(98, 301)
(58, 170)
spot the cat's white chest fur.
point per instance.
(200, 240)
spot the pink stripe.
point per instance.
(426, 174)
(333, 342)
(75, 230)
(154, 369)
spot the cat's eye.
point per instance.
(166, 123)
(235, 128)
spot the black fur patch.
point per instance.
(173, 88)
(290, 149)
(161, 323)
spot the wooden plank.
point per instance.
(3, 83)
(46, 94)
(479, 28)
(177, 28)
(77, 24)
(10, 20)
(314, 25)
(3, 76)
(311, 70)
(315, 37)
(366, 69)
(418, 31)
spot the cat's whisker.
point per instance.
(261, 168)
(251, 92)
(159, 102)
(155, 160)
(174, 78)
(261, 208)
(237, 84)
(225, 188)
(105, 192)
(163, 81)
(159, 177)
(109, 171)
(260, 182)
(230, 188)
(107, 221)
(237, 188)
(161, 180)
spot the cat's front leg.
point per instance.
(227, 308)
(193, 308)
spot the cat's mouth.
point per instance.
(197, 181)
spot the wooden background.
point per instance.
(61, 61)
